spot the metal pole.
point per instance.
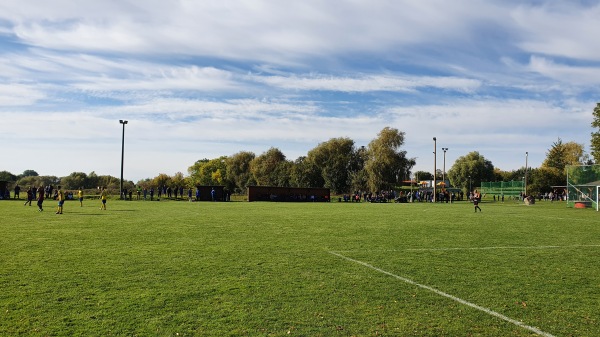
(469, 184)
(444, 172)
(434, 169)
(526, 156)
(122, 156)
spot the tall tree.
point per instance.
(386, 163)
(39, 181)
(562, 154)
(358, 175)
(208, 172)
(178, 180)
(161, 180)
(575, 154)
(470, 170)
(543, 178)
(333, 160)
(7, 176)
(556, 156)
(74, 180)
(595, 142)
(92, 180)
(304, 173)
(145, 183)
(29, 173)
(238, 171)
(423, 175)
(271, 169)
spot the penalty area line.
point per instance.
(452, 297)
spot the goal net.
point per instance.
(583, 184)
(499, 188)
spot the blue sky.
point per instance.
(201, 79)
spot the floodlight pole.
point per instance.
(526, 157)
(469, 184)
(444, 172)
(122, 156)
(434, 169)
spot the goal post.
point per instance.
(583, 186)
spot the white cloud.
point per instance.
(559, 28)
(368, 83)
(204, 79)
(575, 75)
(267, 30)
(182, 110)
(19, 95)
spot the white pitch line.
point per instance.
(476, 248)
(497, 247)
(454, 298)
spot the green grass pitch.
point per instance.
(298, 269)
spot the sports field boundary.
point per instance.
(443, 294)
(447, 249)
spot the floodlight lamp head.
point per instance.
(434, 139)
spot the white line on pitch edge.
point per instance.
(497, 247)
(476, 248)
(454, 298)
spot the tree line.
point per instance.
(340, 165)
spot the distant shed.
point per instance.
(288, 194)
(205, 193)
(3, 189)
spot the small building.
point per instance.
(4, 189)
(288, 194)
(206, 195)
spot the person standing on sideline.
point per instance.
(29, 197)
(212, 194)
(476, 200)
(80, 196)
(103, 198)
(40, 198)
(61, 200)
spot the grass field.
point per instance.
(317, 269)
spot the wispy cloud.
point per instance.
(203, 79)
(19, 95)
(368, 83)
(576, 75)
(559, 28)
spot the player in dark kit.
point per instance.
(476, 200)
(40, 199)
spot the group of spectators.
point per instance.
(402, 196)
(33, 193)
(166, 192)
(379, 196)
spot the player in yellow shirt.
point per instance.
(103, 197)
(80, 196)
(61, 200)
